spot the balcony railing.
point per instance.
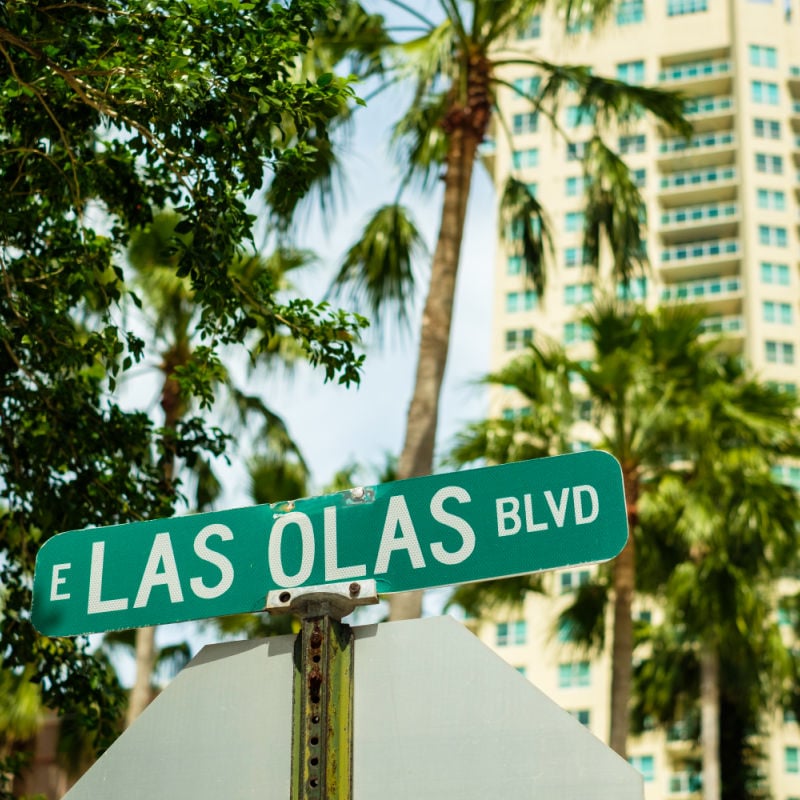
(689, 70)
(696, 177)
(720, 324)
(702, 290)
(709, 248)
(681, 145)
(699, 213)
(707, 105)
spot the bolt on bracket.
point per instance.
(335, 600)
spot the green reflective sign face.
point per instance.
(412, 534)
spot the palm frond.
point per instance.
(379, 270)
(419, 140)
(481, 599)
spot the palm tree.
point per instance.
(646, 366)
(454, 66)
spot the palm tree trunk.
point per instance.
(418, 448)
(142, 690)
(622, 648)
(709, 721)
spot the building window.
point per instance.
(676, 8)
(573, 674)
(575, 26)
(579, 115)
(645, 765)
(583, 715)
(576, 332)
(777, 274)
(533, 28)
(529, 299)
(771, 199)
(512, 302)
(525, 123)
(631, 71)
(777, 312)
(786, 475)
(573, 221)
(525, 158)
(630, 12)
(792, 759)
(762, 56)
(639, 178)
(779, 352)
(510, 633)
(632, 144)
(634, 289)
(576, 186)
(514, 265)
(571, 580)
(566, 631)
(767, 128)
(577, 293)
(576, 257)
(527, 87)
(517, 339)
(772, 165)
(773, 235)
(576, 151)
(764, 92)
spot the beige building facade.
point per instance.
(723, 230)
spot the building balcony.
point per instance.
(693, 260)
(705, 149)
(794, 78)
(728, 325)
(712, 220)
(709, 112)
(723, 295)
(704, 76)
(711, 184)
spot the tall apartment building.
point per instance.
(723, 229)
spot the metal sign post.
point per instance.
(322, 693)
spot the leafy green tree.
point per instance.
(108, 111)
(453, 66)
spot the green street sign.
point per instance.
(418, 533)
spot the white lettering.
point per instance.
(57, 581)
(397, 514)
(96, 605)
(160, 553)
(504, 514)
(452, 521)
(203, 551)
(333, 572)
(559, 512)
(306, 549)
(531, 526)
(580, 517)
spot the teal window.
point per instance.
(630, 12)
(767, 128)
(521, 670)
(631, 71)
(645, 765)
(582, 715)
(773, 235)
(529, 157)
(525, 123)
(576, 332)
(771, 199)
(779, 352)
(529, 299)
(634, 289)
(788, 476)
(791, 758)
(573, 674)
(527, 87)
(531, 30)
(573, 221)
(514, 265)
(575, 26)
(764, 92)
(576, 186)
(777, 312)
(511, 633)
(573, 579)
(566, 631)
(777, 274)
(579, 115)
(578, 293)
(576, 151)
(512, 302)
(676, 8)
(639, 177)
(632, 144)
(772, 165)
(762, 56)
(516, 339)
(576, 257)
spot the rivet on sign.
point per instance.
(355, 589)
(357, 493)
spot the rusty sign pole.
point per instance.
(322, 693)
